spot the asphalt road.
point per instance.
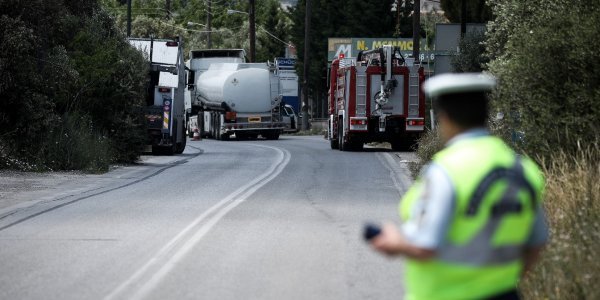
(225, 220)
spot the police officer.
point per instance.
(473, 222)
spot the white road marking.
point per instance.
(177, 248)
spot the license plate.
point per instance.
(254, 120)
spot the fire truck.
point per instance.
(376, 98)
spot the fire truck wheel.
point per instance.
(334, 143)
(341, 144)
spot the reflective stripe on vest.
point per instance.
(479, 251)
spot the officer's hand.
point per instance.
(389, 241)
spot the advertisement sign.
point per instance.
(350, 47)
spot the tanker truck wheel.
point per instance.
(272, 135)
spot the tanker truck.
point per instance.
(199, 62)
(241, 99)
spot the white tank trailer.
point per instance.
(241, 99)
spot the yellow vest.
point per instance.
(496, 194)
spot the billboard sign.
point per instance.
(350, 47)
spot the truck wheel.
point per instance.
(341, 144)
(272, 136)
(181, 145)
(333, 142)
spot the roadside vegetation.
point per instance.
(71, 88)
(549, 100)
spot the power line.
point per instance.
(273, 36)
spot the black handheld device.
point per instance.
(370, 231)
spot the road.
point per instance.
(225, 220)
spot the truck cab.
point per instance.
(290, 119)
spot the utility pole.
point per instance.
(168, 8)
(306, 65)
(463, 18)
(128, 18)
(252, 33)
(417, 29)
(208, 23)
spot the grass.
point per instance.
(569, 267)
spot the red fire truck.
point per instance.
(375, 98)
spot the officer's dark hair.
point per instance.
(467, 109)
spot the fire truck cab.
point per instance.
(376, 98)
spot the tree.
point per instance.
(227, 30)
(471, 57)
(542, 54)
(70, 86)
(270, 33)
(477, 10)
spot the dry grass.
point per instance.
(570, 266)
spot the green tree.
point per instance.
(477, 10)
(270, 33)
(543, 53)
(471, 57)
(66, 94)
(228, 30)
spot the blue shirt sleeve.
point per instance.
(539, 233)
(431, 215)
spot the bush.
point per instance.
(569, 266)
(77, 145)
(428, 145)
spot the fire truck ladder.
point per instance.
(413, 91)
(361, 91)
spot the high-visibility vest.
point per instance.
(496, 194)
